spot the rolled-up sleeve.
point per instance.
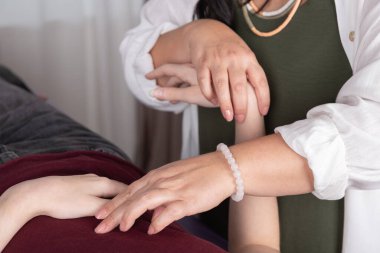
(341, 141)
(157, 17)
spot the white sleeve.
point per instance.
(157, 17)
(341, 141)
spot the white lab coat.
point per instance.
(341, 140)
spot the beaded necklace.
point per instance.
(291, 7)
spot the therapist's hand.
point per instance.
(225, 65)
(223, 62)
(176, 190)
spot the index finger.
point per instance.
(132, 208)
(238, 82)
(108, 208)
(204, 81)
(258, 80)
(220, 80)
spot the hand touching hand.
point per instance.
(185, 187)
(182, 85)
(225, 65)
(176, 190)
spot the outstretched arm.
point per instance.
(253, 222)
(58, 197)
(13, 215)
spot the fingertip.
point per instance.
(151, 230)
(265, 110)
(149, 76)
(157, 93)
(240, 118)
(101, 228)
(228, 115)
(123, 227)
(101, 215)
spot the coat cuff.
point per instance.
(318, 141)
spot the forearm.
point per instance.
(14, 214)
(253, 221)
(172, 47)
(256, 249)
(271, 168)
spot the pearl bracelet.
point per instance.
(239, 194)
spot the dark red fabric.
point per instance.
(44, 234)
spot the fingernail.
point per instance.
(157, 93)
(240, 118)
(265, 110)
(148, 75)
(122, 228)
(151, 230)
(101, 215)
(228, 115)
(101, 228)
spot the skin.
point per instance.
(224, 64)
(254, 221)
(252, 212)
(269, 168)
(222, 61)
(272, 5)
(58, 197)
(225, 69)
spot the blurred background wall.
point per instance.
(67, 50)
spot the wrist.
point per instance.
(223, 170)
(13, 211)
(239, 184)
(14, 214)
(23, 200)
(248, 163)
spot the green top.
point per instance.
(306, 66)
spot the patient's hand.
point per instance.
(57, 196)
(181, 85)
(72, 196)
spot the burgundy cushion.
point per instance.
(45, 234)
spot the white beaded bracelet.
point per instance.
(239, 194)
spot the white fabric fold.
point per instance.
(158, 17)
(318, 140)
